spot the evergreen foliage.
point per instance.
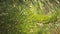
(29, 16)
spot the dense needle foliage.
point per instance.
(29, 16)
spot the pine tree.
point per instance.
(28, 16)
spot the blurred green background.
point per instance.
(29, 16)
